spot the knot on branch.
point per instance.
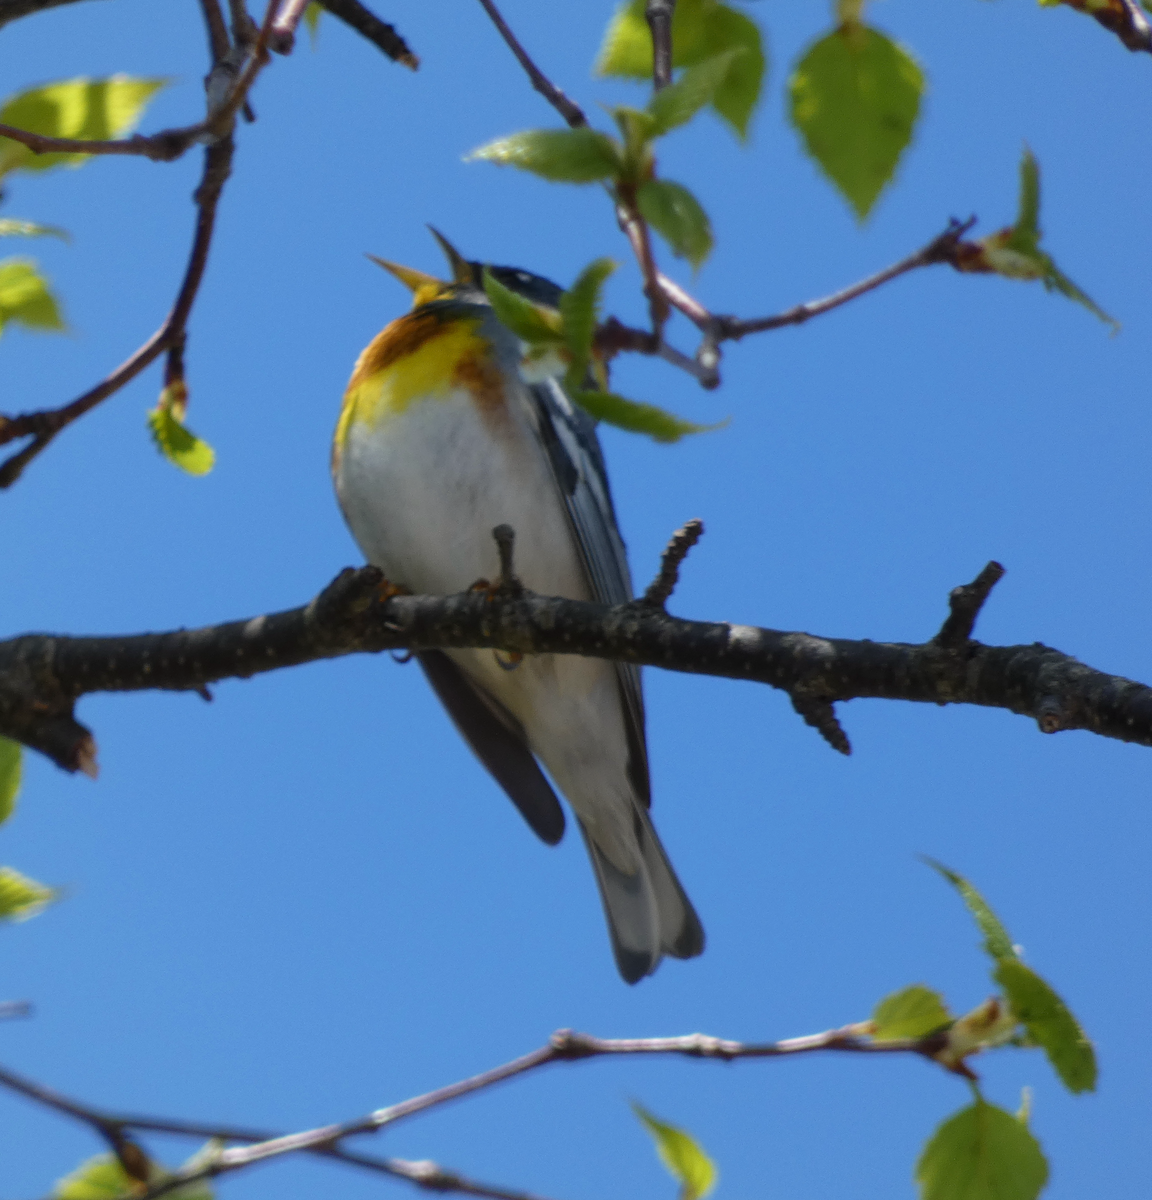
(820, 713)
(674, 554)
(570, 1045)
(966, 602)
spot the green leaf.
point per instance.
(95, 109)
(678, 103)
(12, 227)
(312, 16)
(855, 98)
(1049, 1023)
(701, 30)
(982, 1153)
(103, 1178)
(914, 1012)
(21, 897)
(11, 768)
(1027, 227)
(676, 215)
(178, 444)
(100, 1178)
(561, 155)
(634, 417)
(681, 1154)
(1015, 252)
(997, 942)
(25, 296)
(526, 320)
(580, 311)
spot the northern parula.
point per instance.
(444, 434)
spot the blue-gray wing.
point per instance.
(569, 434)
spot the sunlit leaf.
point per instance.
(701, 30)
(580, 310)
(1027, 227)
(913, 1012)
(634, 417)
(981, 1153)
(90, 109)
(526, 320)
(677, 216)
(681, 1154)
(997, 942)
(11, 768)
(1050, 1024)
(678, 103)
(21, 897)
(855, 98)
(13, 227)
(561, 155)
(177, 443)
(25, 296)
(103, 1178)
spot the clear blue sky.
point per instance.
(306, 900)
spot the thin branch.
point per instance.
(41, 676)
(282, 36)
(168, 144)
(568, 109)
(1125, 18)
(965, 603)
(661, 588)
(658, 14)
(45, 425)
(564, 1046)
(941, 249)
(218, 41)
(369, 26)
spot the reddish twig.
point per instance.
(43, 426)
(568, 109)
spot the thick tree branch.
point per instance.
(565, 1045)
(11, 10)
(42, 675)
(568, 109)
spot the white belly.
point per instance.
(422, 492)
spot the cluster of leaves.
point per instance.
(561, 341)
(1015, 253)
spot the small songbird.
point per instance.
(445, 434)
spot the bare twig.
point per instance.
(218, 41)
(44, 426)
(966, 602)
(564, 1046)
(941, 249)
(662, 587)
(369, 26)
(635, 229)
(1125, 18)
(568, 109)
(658, 14)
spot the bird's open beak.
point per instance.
(423, 287)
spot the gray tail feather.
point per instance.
(648, 913)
